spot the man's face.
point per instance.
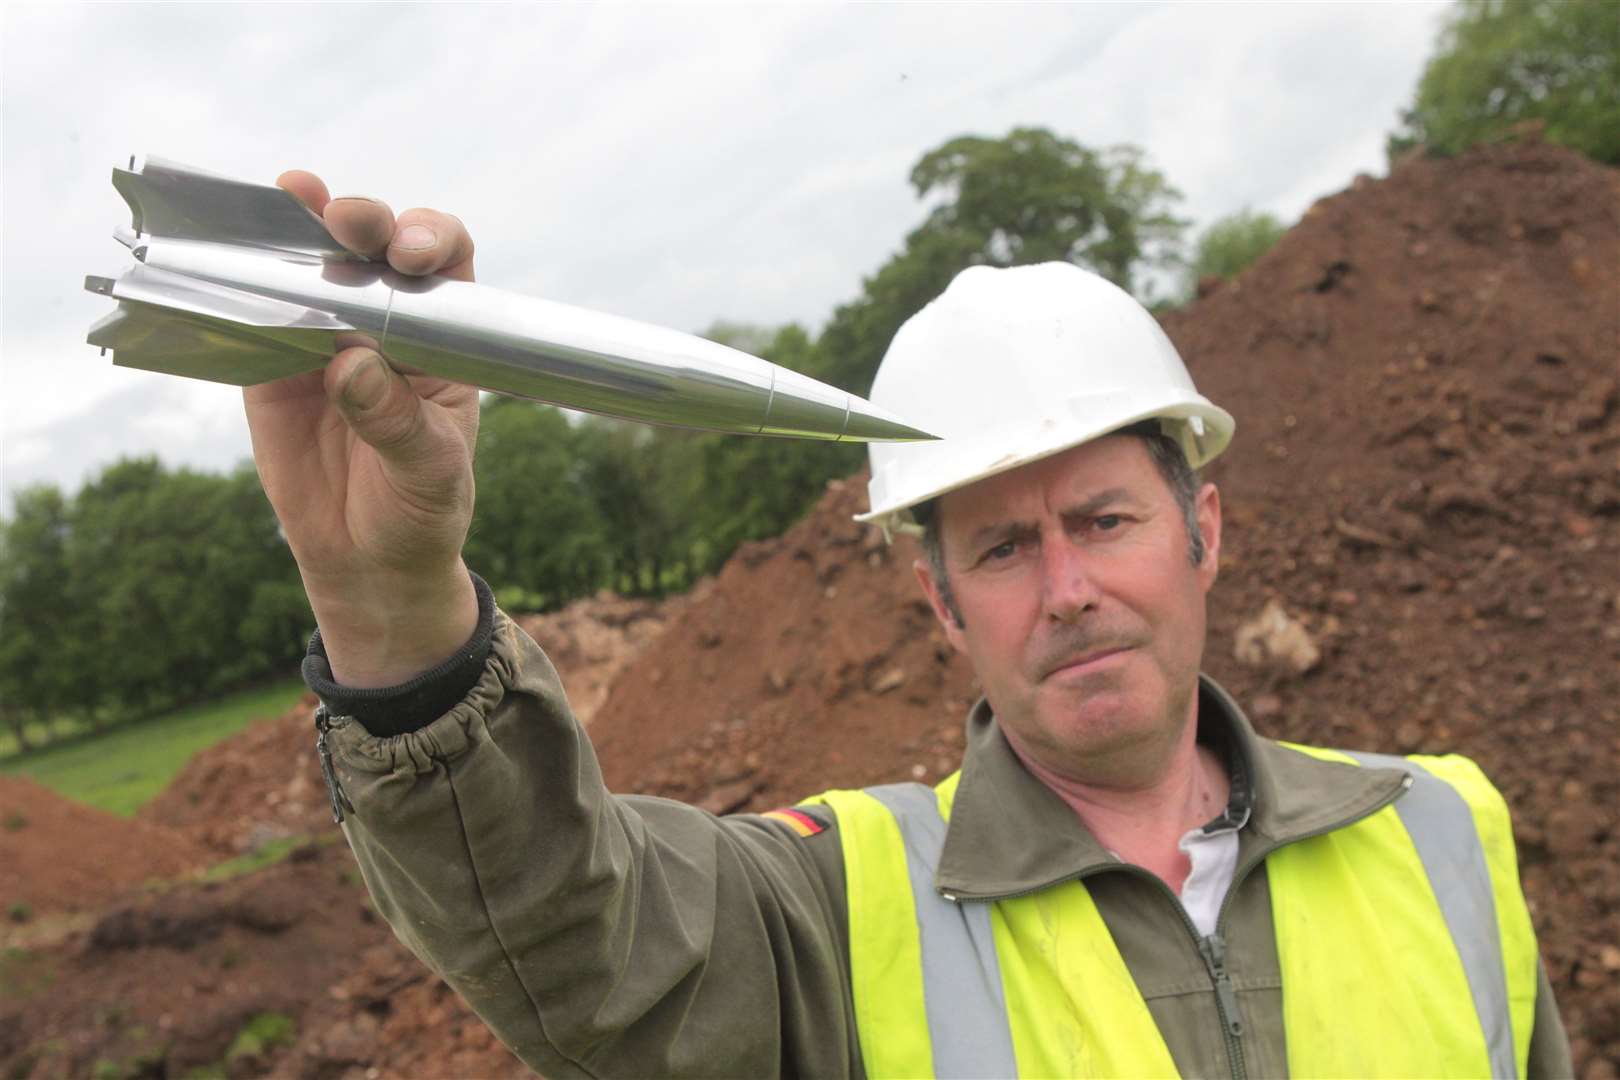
(1081, 614)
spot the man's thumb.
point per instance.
(376, 400)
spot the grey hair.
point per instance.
(1168, 457)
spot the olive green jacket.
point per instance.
(632, 936)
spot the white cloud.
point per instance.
(183, 423)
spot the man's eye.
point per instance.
(1003, 550)
(1108, 521)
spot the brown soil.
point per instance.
(1425, 485)
(589, 641)
(108, 856)
(163, 983)
(815, 663)
(226, 799)
(120, 964)
(391, 1017)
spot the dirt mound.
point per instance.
(284, 972)
(160, 983)
(261, 785)
(394, 1018)
(179, 980)
(814, 663)
(265, 783)
(57, 855)
(591, 640)
(1426, 479)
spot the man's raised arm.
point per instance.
(596, 935)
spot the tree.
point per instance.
(1231, 244)
(734, 489)
(638, 478)
(1503, 62)
(35, 679)
(255, 574)
(165, 572)
(1034, 197)
(1028, 197)
(536, 530)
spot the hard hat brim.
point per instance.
(1202, 428)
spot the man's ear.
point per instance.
(1209, 525)
(936, 600)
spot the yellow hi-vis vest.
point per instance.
(1404, 941)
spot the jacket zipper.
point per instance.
(334, 789)
(1211, 949)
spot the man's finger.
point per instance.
(361, 224)
(378, 403)
(431, 242)
(306, 187)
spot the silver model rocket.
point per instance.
(241, 283)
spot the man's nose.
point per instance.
(1069, 582)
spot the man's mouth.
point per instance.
(1085, 663)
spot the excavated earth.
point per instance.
(1423, 503)
(119, 962)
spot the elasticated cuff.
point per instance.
(395, 710)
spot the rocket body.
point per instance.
(213, 296)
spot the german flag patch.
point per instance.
(800, 821)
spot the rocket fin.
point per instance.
(174, 325)
(173, 200)
(178, 292)
(174, 344)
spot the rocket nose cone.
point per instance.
(805, 408)
(868, 423)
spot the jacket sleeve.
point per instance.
(1549, 1045)
(596, 935)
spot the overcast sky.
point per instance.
(677, 164)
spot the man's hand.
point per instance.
(370, 470)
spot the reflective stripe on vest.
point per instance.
(959, 951)
(924, 969)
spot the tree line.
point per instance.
(146, 589)
(150, 586)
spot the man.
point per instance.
(1123, 879)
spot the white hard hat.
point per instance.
(1009, 366)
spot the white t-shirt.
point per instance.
(1214, 860)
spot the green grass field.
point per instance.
(123, 768)
(39, 734)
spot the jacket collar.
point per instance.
(1010, 834)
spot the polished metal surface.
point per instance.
(232, 284)
(173, 200)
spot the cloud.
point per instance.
(180, 422)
